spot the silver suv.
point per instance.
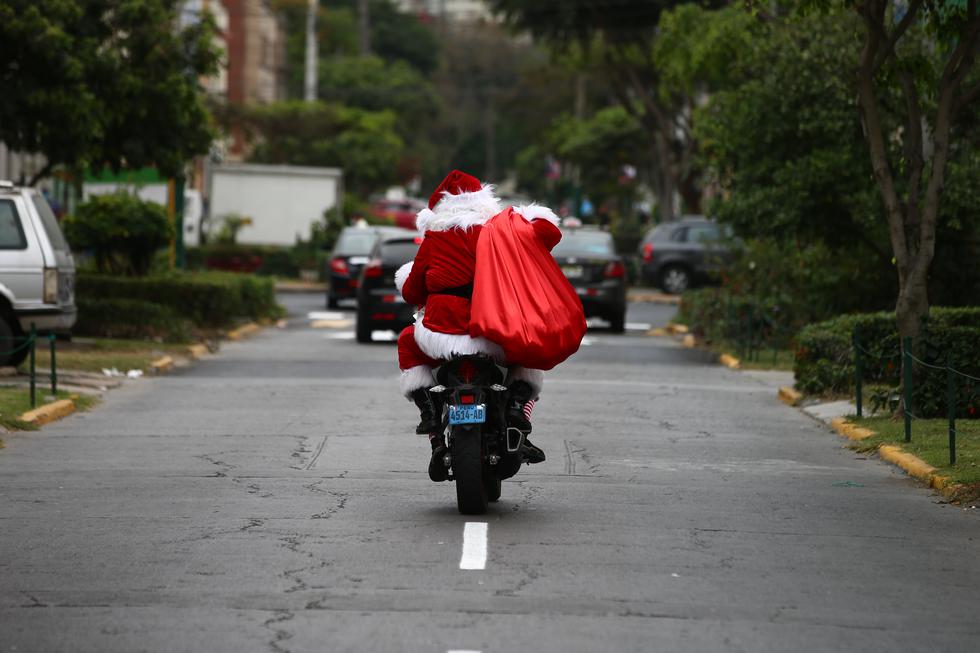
(37, 272)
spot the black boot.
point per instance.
(438, 471)
(427, 412)
(521, 392)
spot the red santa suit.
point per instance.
(441, 276)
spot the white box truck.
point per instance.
(282, 201)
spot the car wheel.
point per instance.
(363, 329)
(332, 302)
(12, 342)
(617, 323)
(675, 279)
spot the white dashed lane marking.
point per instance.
(474, 546)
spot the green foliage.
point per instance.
(131, 319)
(825, 357)
(122, 231)
(230, 225)
(207, 299)
(364, 143)
(104, 83)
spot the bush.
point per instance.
(122, 231)
(825, 357)
(208, 300)
(129, 318)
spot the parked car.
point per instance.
(589, 261)
(379, 304)
(401, 213)
(352, 251)
(679, 255)
(37, 271)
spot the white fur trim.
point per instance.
(414, 378)
(534, 377)
(401, 275)
(459, 211)
(537, 212)
(445, 345)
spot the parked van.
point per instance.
(37, 272)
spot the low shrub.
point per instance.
(131, 319)
(208, 299)
(825, 357)
(266, 260)
(121, 231)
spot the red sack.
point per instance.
(521, 299)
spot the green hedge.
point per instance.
(130, 319)
(716, 315)
(207, 299)
(825, 357)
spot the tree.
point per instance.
(98, 83)
(364, 143)
(916, 63)
(619, 39)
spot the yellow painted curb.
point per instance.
(689, 341)
(659, 331)
(161, 365)
(49, 412)
(730, 361)
(913, 465)
(196, 351)
(242, 331)
(789, 396)
(849, 430)
(678, 329)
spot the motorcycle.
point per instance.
(482, 450)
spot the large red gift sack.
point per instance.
(521, 299)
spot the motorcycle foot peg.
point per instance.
(493, 459)
(447, 460)
(515, 440)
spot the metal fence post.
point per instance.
(54, 367)
(951, 407)
(32, 355)
(907, 383)
(858, 372)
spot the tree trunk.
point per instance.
(663, 180)
(912, 307)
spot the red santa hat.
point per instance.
(459, 202)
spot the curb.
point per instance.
(162, 365)
(653, 298)
(49, 412)
(197, 351)
(730, 361)
(789, 396)
(909, 463)
(243, 331)
(677, 329)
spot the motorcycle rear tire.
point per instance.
(471, 490)
(492, 485)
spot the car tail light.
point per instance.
(418, 240)
(50, 286)
(339, 266)
(383, 317)
(614, 270)
(389, 299)
(466, 399)
(373, 269)
(648, 252)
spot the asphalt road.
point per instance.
(272, 498)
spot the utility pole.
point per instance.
(309, 77)
(364, 23)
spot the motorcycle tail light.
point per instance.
(466, 399)
(648, 252)
(339, 266)
(614, 270)
(373, 269)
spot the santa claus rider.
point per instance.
(440, 280)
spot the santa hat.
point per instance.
(459, 202)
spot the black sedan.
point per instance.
(352, 251)
(379, 304)
(589, 261)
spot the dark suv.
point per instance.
(679, 255)
(352, 251)
(590, 263)
(379, 304)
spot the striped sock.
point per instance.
(528, 407)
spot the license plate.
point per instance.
(473, 414)
(572, 271)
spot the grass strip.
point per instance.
(87, 355)
(16, 400)
(930, 442)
